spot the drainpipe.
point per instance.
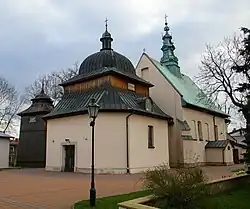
(223, 157)
(127, 141)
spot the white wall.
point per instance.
(4, 153)
(142, 157)
(214, 155)
(194, 151)
(110, 142)
(191, 115)
(172, 105)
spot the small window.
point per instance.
(32, 120)
(151, 137)
(228, 148)
(200, 130)
(131, 86)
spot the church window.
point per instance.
(194, 130)
(207, 131)
(151, 137)
(32, 119)
(216, 136)
(200, 130)
(131, 86)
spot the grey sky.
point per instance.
(46, 35)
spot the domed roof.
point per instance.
(106, 57)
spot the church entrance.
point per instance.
(69, 163)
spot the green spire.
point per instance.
(169, 59)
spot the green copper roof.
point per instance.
(188, 89)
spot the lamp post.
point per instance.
(93, 109)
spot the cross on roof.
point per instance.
(166, 18)
(106, 23)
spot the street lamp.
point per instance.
(93, 109)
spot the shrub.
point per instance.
(184, 188)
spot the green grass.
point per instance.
(110, 202)
(235, 199)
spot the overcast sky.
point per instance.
(45, 35)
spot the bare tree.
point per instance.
(51, 83)
(218, 78)
(10, 104)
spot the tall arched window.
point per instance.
(207, 132)
(200, 131)
(194, 130)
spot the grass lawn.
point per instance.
(235, 199)
(110, 202)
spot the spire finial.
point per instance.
(106, 38)
(144, 50)
(106, 23)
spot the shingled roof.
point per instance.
(217, 144)
(109, 98)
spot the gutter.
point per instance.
(127, 142)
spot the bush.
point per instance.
(184, 188)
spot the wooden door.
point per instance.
(69, 158)
(236, 156)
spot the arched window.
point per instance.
(207, 132)
(200, 131)
(194, 130)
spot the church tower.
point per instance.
(32, 144)
(169, 60)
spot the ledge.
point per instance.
(136, 203)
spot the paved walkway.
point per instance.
(35, 188)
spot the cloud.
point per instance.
(41, 36)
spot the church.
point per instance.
(131, 131)
(199, 132)
(149, 115)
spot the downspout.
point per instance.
(127, 142)
(223, 157)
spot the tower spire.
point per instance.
(106, 38)
(169, 59)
